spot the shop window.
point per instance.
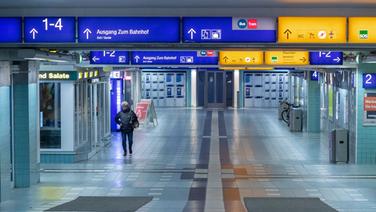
(50, 131)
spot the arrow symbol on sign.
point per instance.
(288, 33)
(137, 58)
(303, 59)
(95, 59)
(33, 32)
(87, 32)
(225, 59)
(337, 59)
(192, 32)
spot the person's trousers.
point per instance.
(124, 136)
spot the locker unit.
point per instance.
(265, 90)
(167, 89)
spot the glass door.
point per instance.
(215, 89)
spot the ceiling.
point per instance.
(184, 4)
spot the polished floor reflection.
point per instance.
(208, 160)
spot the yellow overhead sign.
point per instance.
(254, 68)
(362, 30)
(281, 58)
(245, 58)
(312, 29)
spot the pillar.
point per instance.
(5, 131)
(193, 88)
(236, 88)
(26, 125)
(313, 105)
(365, 134)
(241, 89)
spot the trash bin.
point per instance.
(296, 119)
(339, 146)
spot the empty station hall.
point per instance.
(188, 106)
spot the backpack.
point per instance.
(126, 121)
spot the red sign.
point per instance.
(141, 110)
(210, 53)
(252, 23)
(369, 103)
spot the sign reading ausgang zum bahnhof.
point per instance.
(58, 75)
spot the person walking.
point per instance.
(128, 121)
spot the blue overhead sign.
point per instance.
(228, 29)
(11, 30)
(204, 57)
(109, 57)
(369, 81)
(50, 30)
(326, 58)
(128, 30)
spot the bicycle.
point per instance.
(285, 114)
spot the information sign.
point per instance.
(228, 29)
(49, 29)
(109, 57)
(312, 29)
(128, 30)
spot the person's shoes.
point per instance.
(125, 154)
(130, 151)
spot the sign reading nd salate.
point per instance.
(57, 75)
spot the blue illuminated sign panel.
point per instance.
(369, 80)
(326, 58)
(314, 75)
(128, 30)
(11, 30)
(228, 29)
(49, 30)
(109, 57)
(204, 57)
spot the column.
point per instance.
(313, 105)
(193, 88)
(5, 131)
(241, 89)
(365, 132)
(236, 88)
(26, 125)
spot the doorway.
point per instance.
(215, 88)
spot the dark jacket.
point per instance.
(126, 118)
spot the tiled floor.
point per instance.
(199, 160)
